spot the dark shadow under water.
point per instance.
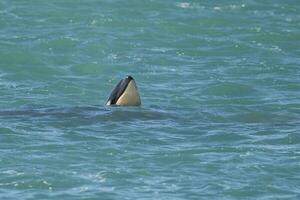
(88, 114)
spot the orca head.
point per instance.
(125, 93)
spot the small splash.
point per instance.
(229, 7)
(288, 19)
(217, 8)
(183, 5)
(257, 29)
(94, 22)
(112, 57)
(160, 49)
(69, 37)
(12, 172)
(98, 177)
(8, 85)
(233, 7)
(275, 48)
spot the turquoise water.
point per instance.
(220, 89)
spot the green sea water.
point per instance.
(220, 89)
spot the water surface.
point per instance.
(220, 90)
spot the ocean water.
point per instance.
(220, 89)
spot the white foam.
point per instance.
(183, 5)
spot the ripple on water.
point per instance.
(229, 89)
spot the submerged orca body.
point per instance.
(125, 93)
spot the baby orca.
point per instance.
(125, 93)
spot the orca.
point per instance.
(125, 93)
